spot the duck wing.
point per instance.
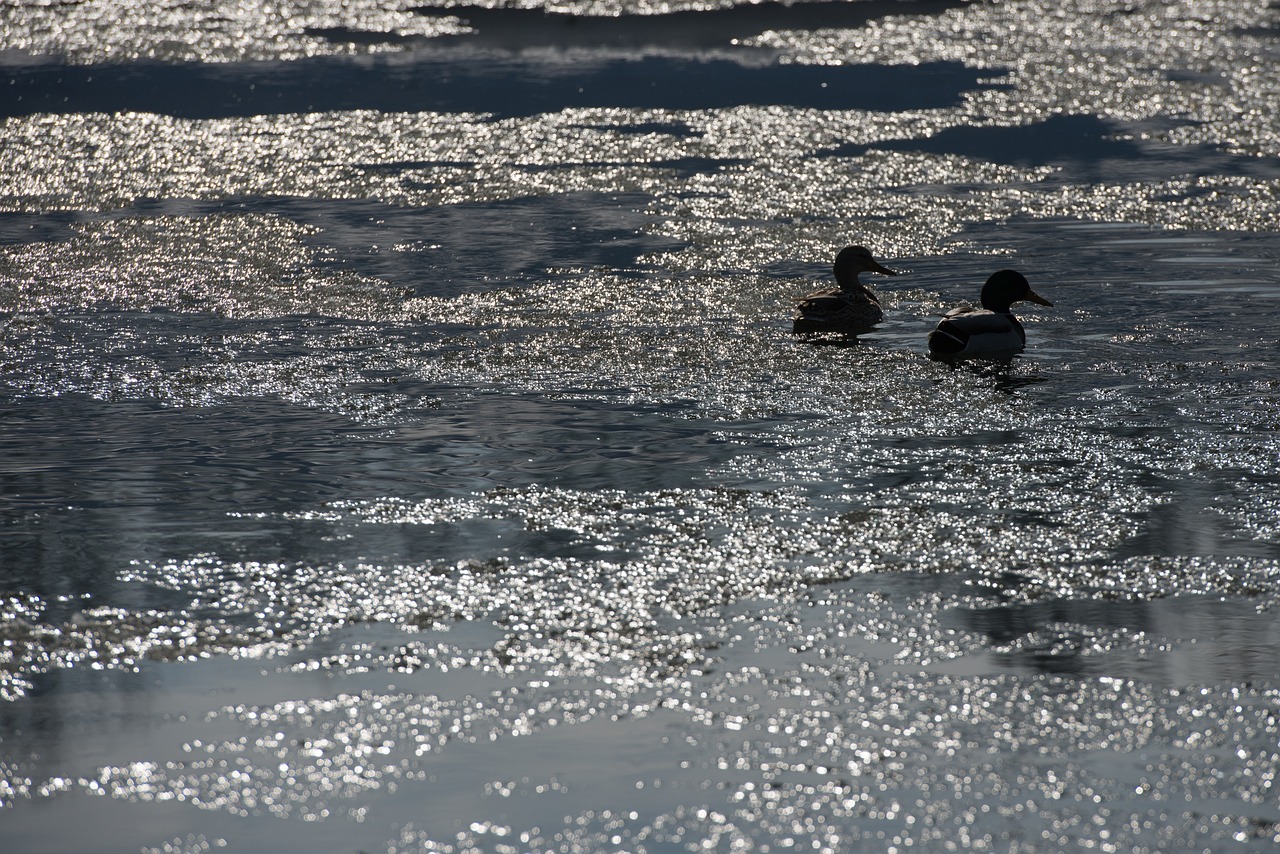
(836, 309)
(967, 331)
(818, 302)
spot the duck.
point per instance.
(851, 307)
(968, 331)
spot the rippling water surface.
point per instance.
(403, 444)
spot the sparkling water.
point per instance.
(404, 446)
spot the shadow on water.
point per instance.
(1083, 147)
(469, 80)
(518, 62)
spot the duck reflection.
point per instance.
(1009, 374)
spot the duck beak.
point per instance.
(884, 271)
(1034, 297)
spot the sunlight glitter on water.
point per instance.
(101, 32)
(405, 447)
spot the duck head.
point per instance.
(854, 260)
(1004, 288)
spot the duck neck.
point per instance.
(850, 285)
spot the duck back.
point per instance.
(833, 309)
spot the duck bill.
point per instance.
(882, 270)
(1034, 297)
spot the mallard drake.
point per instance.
(970, 331)
(851, 307)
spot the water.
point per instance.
(404, 447)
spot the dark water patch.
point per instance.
(471, 81)
(512, 28)
(1059, 138)
(157, 705)
(1186, 525)
(22, 227)
(517, 440)
(1005, 624)
(1086, 148)
(680, 130)
(1172, 641)
(1262, 31)
(610, 762)
(448, 250)
(684, 167)
(365, 38)
(455, 541)
(87, 482)
(687, 167)
(407, 165)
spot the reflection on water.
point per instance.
(1174, 641)
(403, 445)
(1007, 374)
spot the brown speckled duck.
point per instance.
(849, 308)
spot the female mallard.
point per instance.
(849, 308)
(991, 329)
